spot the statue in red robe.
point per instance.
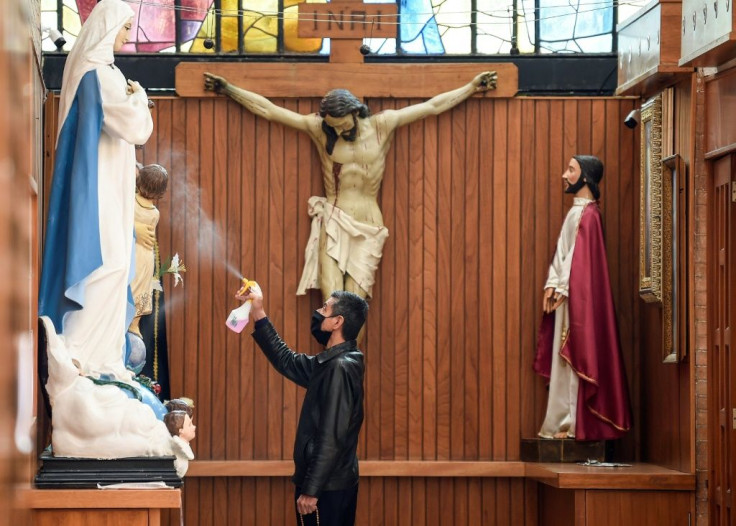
(578, 347)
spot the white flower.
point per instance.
(176, 268)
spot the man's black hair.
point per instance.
(353, 309)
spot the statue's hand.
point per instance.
(145, 235)
(132, 87)
(548, 299)
(214, 83)
(485, 81)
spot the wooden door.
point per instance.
(722, 303)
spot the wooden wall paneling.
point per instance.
(434, 291)
(391, 502)
(584, 125)
(628, 316)
(222, 282)
(291, 274)
(538, 250)
(474, 501)
(187, 342)
(419, 501)
(446, 271)
(247, 265)
(172, 237)
(460, 510)
(230, 199)
(473, 330)
(205, 238)
(485, 283)
(503, 499)
(275, 280)
(373, 514)
(415, 289)
(488, 501)
(404, 504)
(531, 503)
(387, 301)
(643, 507)
(433, 502)
(400, 235)
(498, 277)
(261, 265)
(528, 317)
(457, 284)
(514, 365)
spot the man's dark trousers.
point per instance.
(336, 508)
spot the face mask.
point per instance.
(321, 336)
(575, 188)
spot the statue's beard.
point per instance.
(332, 135)
(575, 188)
(352, 132)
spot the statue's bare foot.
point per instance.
(561, 434)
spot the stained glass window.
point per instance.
(425, 27)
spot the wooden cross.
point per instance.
(346, 23)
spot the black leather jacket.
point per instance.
(327, 436)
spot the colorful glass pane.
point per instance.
(426, 26)
(418, 29)
(495, 19)
(577, 27)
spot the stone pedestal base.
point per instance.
(79, 473)
(561, 450)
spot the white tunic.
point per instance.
(563, 384)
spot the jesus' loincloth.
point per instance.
(356, 247)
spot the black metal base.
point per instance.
(561, 450)
(80, 473)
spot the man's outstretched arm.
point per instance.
(440, 103)
(258, 104)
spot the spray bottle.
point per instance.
(239, 318)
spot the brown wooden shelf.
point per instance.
(99, 498)
(636, 477)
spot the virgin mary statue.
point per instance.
(98, 410)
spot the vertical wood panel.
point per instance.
(485, 285)
(498, 276)
(401, 280)
(472, 318)
(457, 284)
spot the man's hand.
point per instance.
(485, 81)
(214, 83)
(145, 235)
(256, 299)
(306, 504)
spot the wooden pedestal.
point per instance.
(92, 507)
(561, 450)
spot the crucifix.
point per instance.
(351, 142)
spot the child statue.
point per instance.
(151, 184)
(179, 423)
